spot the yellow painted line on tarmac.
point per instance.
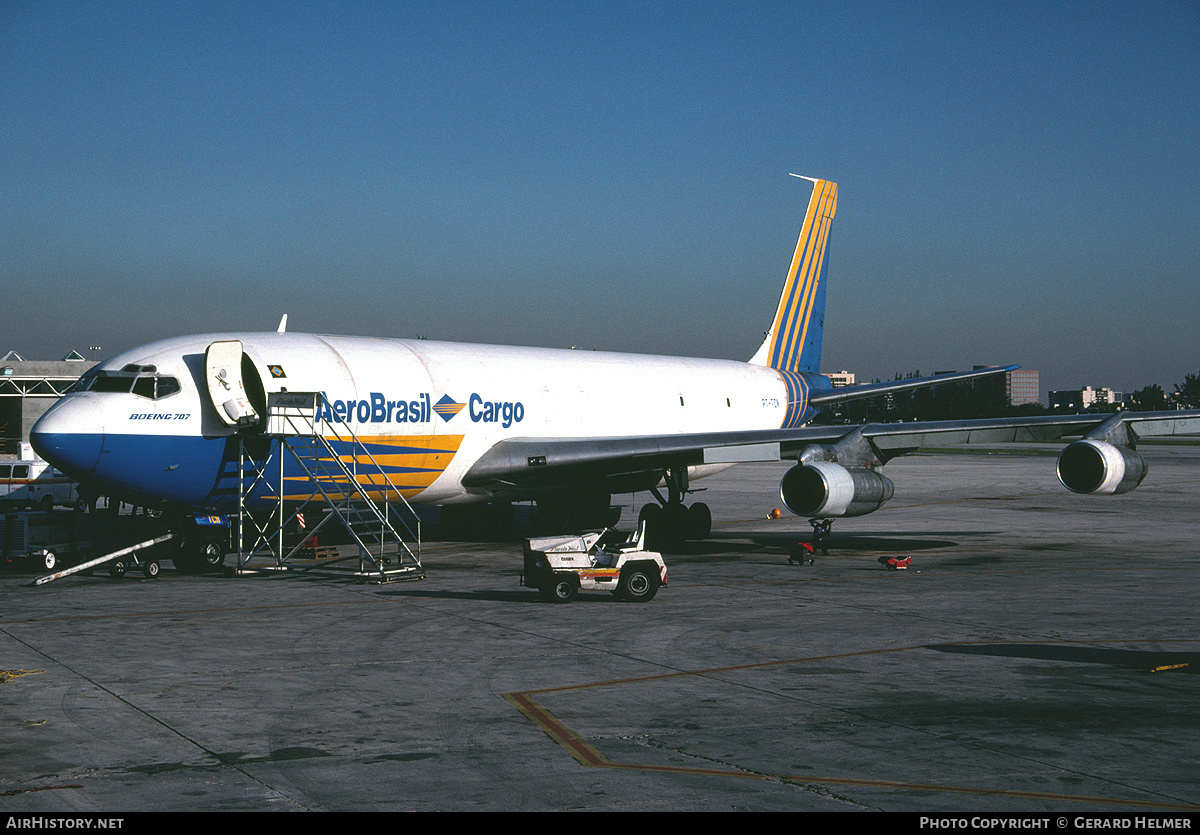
(590, 756)
(556, 729)
(8, 675)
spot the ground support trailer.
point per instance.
(41, 539)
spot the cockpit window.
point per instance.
(84, 383)
(166, 387)
(144, 387)
(107, 381)
(141, 380)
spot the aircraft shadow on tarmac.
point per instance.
(723, 545)
(717, 544)
(898, 542)
(1188, 662)
(495, 596)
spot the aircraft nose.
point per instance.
(69, 436)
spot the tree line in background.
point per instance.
(988, 398)
(1152, 398)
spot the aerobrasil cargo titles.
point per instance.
(458, 423)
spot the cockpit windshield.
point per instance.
(143, 381)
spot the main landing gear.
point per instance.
(574, 511)
(201, 554)
(670, 523)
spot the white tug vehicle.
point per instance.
(560, 566)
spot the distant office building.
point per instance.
(840, 379)
(1101, 397)
(1023, 386)
(1077, 400)
(1069, 400)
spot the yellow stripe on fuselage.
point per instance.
(424, 459)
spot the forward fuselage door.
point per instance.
(223, 367)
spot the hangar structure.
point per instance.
(28, 388)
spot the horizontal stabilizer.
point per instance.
(840, 395)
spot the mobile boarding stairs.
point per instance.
(333, 480)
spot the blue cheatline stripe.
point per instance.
(378, 450)
(180, 469)
(797, 399)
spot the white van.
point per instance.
(33, 483)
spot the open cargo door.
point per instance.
(223, 365)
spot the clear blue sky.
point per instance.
(1019, 182)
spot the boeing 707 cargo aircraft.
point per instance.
(459, 424)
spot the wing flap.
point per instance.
(533, 462)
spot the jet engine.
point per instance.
(823, 488)
(1095, 466)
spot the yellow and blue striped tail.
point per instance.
(793, 344)
(794, 341)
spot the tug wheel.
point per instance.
(559, 590)
(638, 585)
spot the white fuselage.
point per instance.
(457, 399)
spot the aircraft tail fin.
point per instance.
(794, 341)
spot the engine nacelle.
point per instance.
(822, 488)
(1094, 466)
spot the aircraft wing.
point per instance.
(897, 438)
(520, 464)
(534, 462)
